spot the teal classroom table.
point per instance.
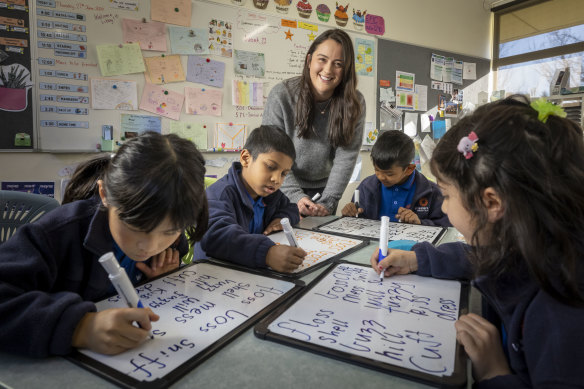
(246, 362)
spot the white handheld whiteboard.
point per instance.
(320, 248)
(403, 325)
(201, 308)
(368, 228)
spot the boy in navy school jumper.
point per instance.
(246, 205)
(397, 189)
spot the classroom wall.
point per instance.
(458, 26)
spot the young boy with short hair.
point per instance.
(246, 204)
(397, 189)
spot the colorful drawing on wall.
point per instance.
(201, 101)
(283, 6)
(161, 101)
(304, 9)
(150, 35)
(205, 71)
(341, 16)
(359, 19)
(323, 12)
(230, 136)
(374, 24)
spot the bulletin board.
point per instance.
(265, 47)
(396, 56)
(202, 307)
(403, 325)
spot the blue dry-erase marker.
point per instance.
(383, 237)
(122, 283)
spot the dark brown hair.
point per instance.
(152, 176)
(538, 171)
(345, 107)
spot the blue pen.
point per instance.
(121, 282)
(383, 237)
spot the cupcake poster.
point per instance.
(341, 16)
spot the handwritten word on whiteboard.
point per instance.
(318, 246)
(368, 228)
(198, 305)
(406, 321)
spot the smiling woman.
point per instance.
(324, 115)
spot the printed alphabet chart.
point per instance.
(403, 324)
(367, 228)
(201, 307)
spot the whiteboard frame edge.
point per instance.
(458, 379)
(124, 381)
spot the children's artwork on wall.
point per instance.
(368, 228)
(319, 246)
(114, 94)
(201, 308)
(150, 35)
(171, 11)
(195, 132)
(205, 71)
(370, 134)
(249, 63)
(230, 136)
(203, 101)
(247, 93)
(188, 40)
(161, 101)
(140, 123)
(374, 24)
(164, 69)
(120, 59)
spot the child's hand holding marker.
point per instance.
(352, 209)
(383, 238)
(406, 215)
(396, 262)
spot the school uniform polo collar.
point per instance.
(407, 185)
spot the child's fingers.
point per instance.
(373, 260)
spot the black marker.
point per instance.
(356, 196)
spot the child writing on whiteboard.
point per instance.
(135, 203)
(397, 189)
(247, 204)
(512, 175)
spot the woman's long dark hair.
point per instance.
(345, 107)
(538, 171)
(152, 176)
